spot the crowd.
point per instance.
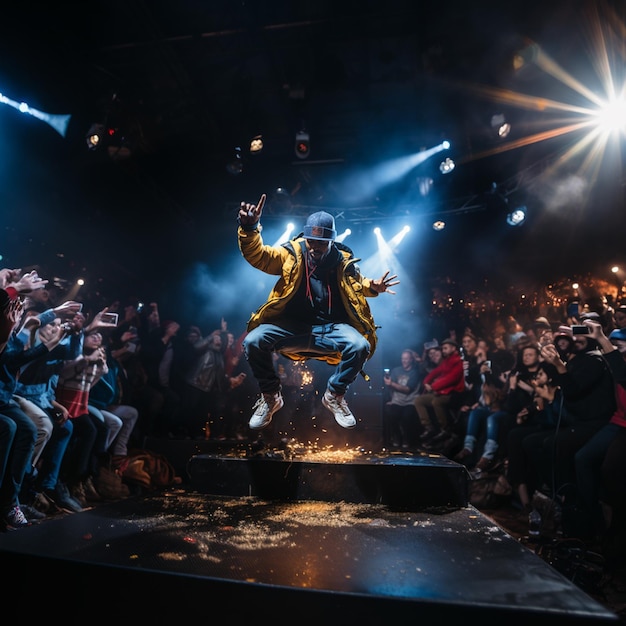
(79, 389)
(539, 402)
(543, 404)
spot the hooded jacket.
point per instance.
(288, 263)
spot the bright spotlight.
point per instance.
(286, 234)
(445, 145)
(398, 237)
(446, 166)
(341, 237)
(58, 122)
(439, 225)
(517, 216)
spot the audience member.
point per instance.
(107, 397)
(437, 392)
(18, 433)
(431, 358)
(206, 385)
(533, 423)
(487, 417)
(157, 356)
(589, 397)
(589, 459)
(36, 394)
(88, 441)
(400, 421)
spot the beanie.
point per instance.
(320, 225)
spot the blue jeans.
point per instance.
(310, 342)
(19, 454)
(53, 453)
(483, 417)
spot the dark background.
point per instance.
(184, 83)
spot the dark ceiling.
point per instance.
(185, 83)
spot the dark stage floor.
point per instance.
(187, 554)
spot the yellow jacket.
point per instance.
(287, 262)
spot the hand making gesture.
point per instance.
(250, 214)
(382, 284)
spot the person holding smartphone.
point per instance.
(400, 421)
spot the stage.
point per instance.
(288, 556)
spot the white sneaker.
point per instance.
(339, 408)
(264, 408)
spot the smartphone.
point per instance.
(109, 318)
(386, 371)
(572, 310)
(488, 364)
(131, 347)
(580, 329)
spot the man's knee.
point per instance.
(252, 340)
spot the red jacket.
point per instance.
(447, 376)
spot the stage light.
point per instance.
(516, 217)
(286, 234)
(256, 144)
(115, 141)
(235, 166)
(341, 237)
(439, 225)
(446, 166)
(303, 145)
(500, 126)
(58, 122)
(394, 242)
(95, 136)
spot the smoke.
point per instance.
(231, 291)
(566, 193)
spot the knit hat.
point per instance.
(320, 225)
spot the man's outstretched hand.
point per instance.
(250, 214)
(382, 284)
